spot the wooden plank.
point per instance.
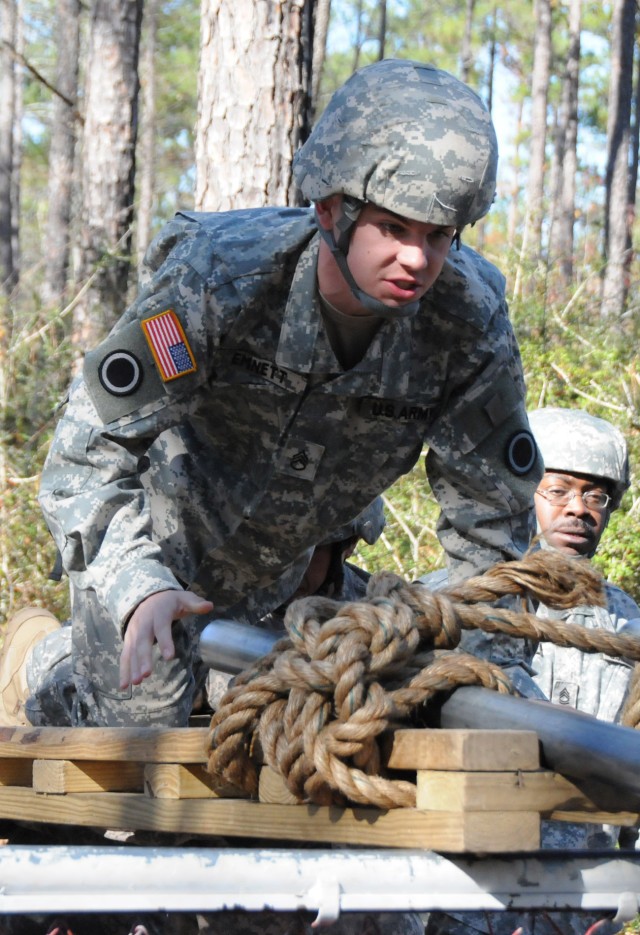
(174, 781)
(454, 832)
(139, 744)
(521, 790)
(58, 777)
(629, 819)
(15, 772)
(461, 749)
(273, 788)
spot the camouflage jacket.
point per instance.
(214, 438)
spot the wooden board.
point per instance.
(540, 791)
(175, 781)
(461, 749)
(272, 788)
(58, 777)
(15, 772)
(454, 832)
(128, 744)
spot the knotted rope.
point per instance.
(315, 708)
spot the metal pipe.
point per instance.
(125, 879)
(232, 647)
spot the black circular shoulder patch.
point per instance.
(120, 373)
(521, 453)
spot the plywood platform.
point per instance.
(476, 791)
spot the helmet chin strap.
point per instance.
(350, 210)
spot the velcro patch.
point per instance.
(301, 459)
(169, 346)
(521, 453)
(120, 373)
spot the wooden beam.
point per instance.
(541, 791)
(139, 744)
(15, 772)
(174, 781)
(463, 749)
(454, 832)
(61, 776)
(273, 788)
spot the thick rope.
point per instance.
(315, 708)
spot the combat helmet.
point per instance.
(573, 440)
(407, 137)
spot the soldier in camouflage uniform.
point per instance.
(278, 370)
(586, 474)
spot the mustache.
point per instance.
(576, 527)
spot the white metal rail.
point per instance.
(123, 878)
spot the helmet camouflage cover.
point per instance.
(574, 441)
(408, 137)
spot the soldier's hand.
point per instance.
(150, 623)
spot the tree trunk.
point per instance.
(8, 81)
(108, 165)
(513, 219)
(147, 151)
(532, 235)
(62, 151)
(254, 101)
(382, 27)
(466, 55)
(18, 147)
(566, 158)
(617, 226)
(320, 32)
(357, 45)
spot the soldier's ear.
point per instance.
(326, 211)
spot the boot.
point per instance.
(23, 631)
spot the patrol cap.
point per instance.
(574, 441)
(408, 137)
(368, 525)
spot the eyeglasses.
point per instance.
(561, 496)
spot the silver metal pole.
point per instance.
(232, 647)
(124, 879)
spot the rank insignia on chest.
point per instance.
(169, 345)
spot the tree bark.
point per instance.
(320, 32)
(532, 235)
(8, 80)
(108, 165)
(62, 151)
(382, 28)
(466, 55)
(147, 148)
(618, 211)
(566, 157)
(254, 101)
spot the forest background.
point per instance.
(116, 113)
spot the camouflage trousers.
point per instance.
(73, 676)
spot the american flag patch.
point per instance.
(169, 345)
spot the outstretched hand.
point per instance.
(151, 622)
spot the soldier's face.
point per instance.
(394, 259)
(572, 528)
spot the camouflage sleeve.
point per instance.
(91, 491)
(483, 464)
